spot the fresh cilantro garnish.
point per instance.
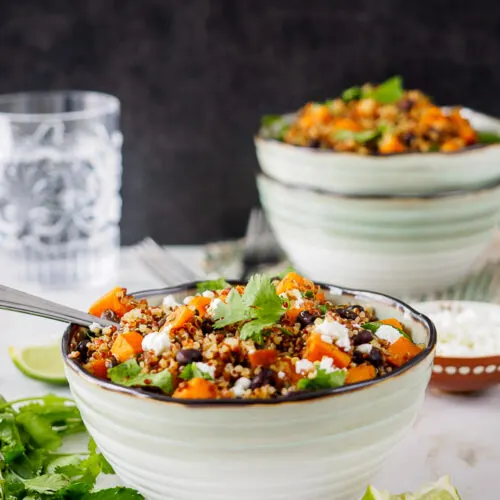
(192, 371)
(387, 92)
(211, 285)
(487, 137)
(323, 309)
(274, 127)
(129, 374)
(289, 269)
(259, 307)
(31, 431)
(360, 137)
(352, 94)
(309, 294)
(373, 326)
(323, 380)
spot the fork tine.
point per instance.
(164, 264)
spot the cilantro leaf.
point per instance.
(40, 430)
(192, 371)
(118, 493)
(232, 311)
(360, 137)
(254, 330)
(487, 136)
(11, 445)
(259, 303)
(288, 269)
(323, 380)
(274, 127)
(388, 92)
(352, 94)
(129, 374)
(211, 285)
(47, 483)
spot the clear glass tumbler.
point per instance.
(60, 179)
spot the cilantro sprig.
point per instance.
(192, 371)
(130, 374)
(323, 380)
(259, 307)
(211, 285)
(386, 92)
(31, 432)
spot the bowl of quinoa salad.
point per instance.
(381, 139)
(258, 375)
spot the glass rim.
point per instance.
(107, 104)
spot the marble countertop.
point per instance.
(454, 435)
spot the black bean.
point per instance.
(343, 312)
(358, 357)
(83, 349)
(362, 337)
(266, 376)
(305, 318)
(314, 143)
(407, 138)
(186, 356)
(207, 325)
(405, 104)
(356, 308)
(110, 315)
(375, 357)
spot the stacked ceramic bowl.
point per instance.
(404, 224)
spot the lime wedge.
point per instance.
(440, 490)
(40, 362)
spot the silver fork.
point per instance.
(260, 245)
(18, 301)
(163, 264)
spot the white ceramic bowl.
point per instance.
(398, 245)
(408, 173)
(318, 446)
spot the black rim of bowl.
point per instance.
(294, 398)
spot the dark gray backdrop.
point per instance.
(194, 77)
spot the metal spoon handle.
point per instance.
(15, 300)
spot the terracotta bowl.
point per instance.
(463, 374)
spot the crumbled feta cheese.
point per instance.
(364, 348)
(156, 342)
(281, 375)
(206, 368)
(298, 301)
(208, 294)
(326, 364)
(388, 333)
(95, 328)
(187, 300)
(338, 332)
(213, 306)
(240, 386)
(327, 339)
(467, 333)
(170, 302)
(303, 365)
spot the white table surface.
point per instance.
(454, 435)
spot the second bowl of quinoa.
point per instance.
(381, 139)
